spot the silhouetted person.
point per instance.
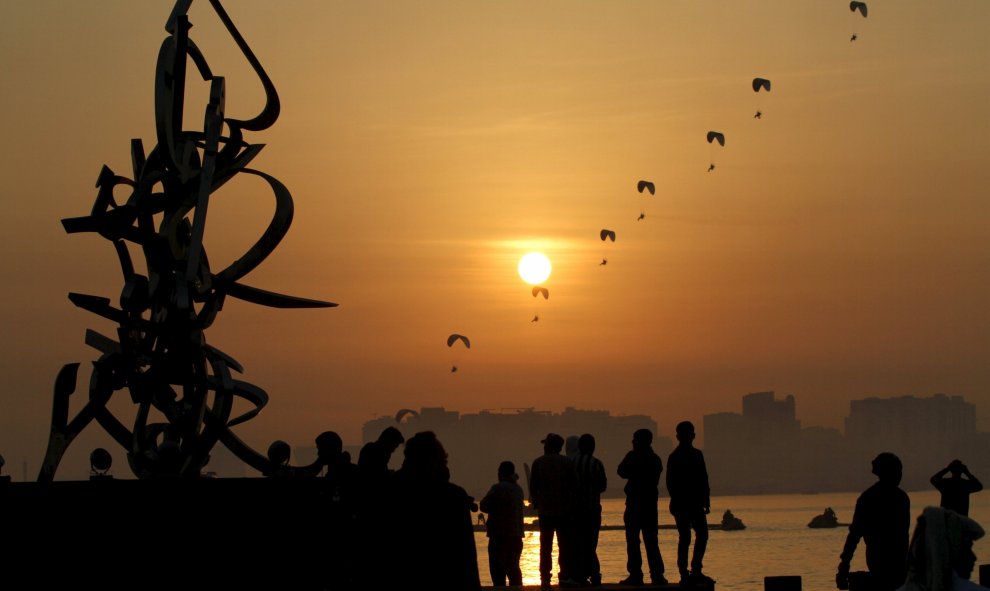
(100, 461)
(339, 473)
(711, 167)
(882, 519)
(279, 454)
(955, 489)
(941, 554)
(375, 455)
(338, 512)
(432, 546)
(690, 503)
(853, 38)
(591, 483)
(504, 505)
(642, 468)
(551, 485)
(372, 490)
(759, 115)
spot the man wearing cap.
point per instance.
(642, 468)
(882, 519)
(552, 483)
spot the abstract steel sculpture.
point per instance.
(160, 355)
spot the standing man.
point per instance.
(882, 519)
(642, 468)
(955, 489)
(690, 503)
(591, 483)
(551, 487)
(504, 506)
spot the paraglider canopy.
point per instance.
(610, 234)
(458, 337)
(646, 185)
(759, 83)
(402, 413)
(537, 290)
(716, 136)
(860, 6)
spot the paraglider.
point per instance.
(714, 136)
(640, 186)
(758, 85)
(606, 235)
(538, 291)
(453, 338)
(402, 414)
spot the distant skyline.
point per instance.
(838, 251)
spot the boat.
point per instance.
(731, 523)
(826, 519)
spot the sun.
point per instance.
(534, 268)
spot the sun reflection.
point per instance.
(529, 562)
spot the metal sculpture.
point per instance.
(160, 354)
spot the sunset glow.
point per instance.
(428, 147)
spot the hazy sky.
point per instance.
(839, 250)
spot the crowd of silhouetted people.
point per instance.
(434, 541)
(414, 525)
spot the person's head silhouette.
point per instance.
(507, 471)
(328, 446)
(685, 432)
(888, 468)
(553, 443)
(392, 438)
(586, 444)
(425, 457)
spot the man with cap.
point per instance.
(642, 468)
(882, 518)
(552, 483)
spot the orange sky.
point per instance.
(839, 250)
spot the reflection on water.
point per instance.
(530, 561)
(776, 541)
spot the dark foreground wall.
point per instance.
(248, 533)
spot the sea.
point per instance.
(777, 541)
